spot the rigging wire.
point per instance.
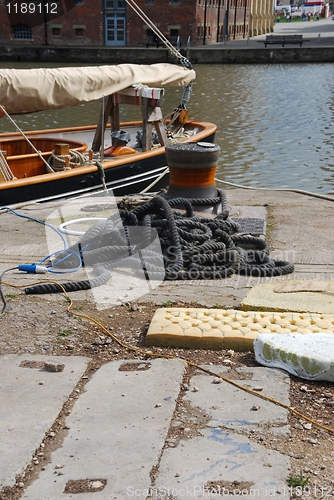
(184, 61)
(3, 109)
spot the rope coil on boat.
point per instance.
(74, 159)
(5, 171)
(192, 247)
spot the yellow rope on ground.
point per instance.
(292, 410)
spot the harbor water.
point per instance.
(275, 122)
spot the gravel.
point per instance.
(41, 326)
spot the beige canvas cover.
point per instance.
(28, 90)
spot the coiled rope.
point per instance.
(192, 247)
(5, 171)
(74, 159)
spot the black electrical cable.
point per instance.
(2, 295)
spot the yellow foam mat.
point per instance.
(227, 329)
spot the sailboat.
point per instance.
(124, 157)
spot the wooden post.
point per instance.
(150, 100)
(152, 115)
(62, 149)
(103, 120)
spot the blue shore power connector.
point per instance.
(33, 268)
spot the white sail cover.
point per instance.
(28, 90)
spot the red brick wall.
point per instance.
(64, 13)
(188, 15)
(163, 14)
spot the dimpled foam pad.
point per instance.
(227, 329)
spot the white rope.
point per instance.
(155, 181)
(299, 191)
(5, 170)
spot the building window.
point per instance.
(22, 32)
(55, 30)
(79, 30)
(115, 4)
(175, 2)
(149, 2)
(78, 2)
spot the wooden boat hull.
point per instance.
(24, 162)
(124, 175)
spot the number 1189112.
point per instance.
(32, 8)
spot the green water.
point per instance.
(275, 122)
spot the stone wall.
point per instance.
(197, 55)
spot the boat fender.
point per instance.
(120, 138)
(118, 151)
(139, 139)
(33, 268)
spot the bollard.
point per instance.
(192, 169)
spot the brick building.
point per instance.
(114, 22)
(199, 22)
(261, 17)
(51, 22)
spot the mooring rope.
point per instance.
(192, 247)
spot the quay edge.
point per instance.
(217, 54)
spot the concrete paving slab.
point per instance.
(200, 467)
(117, 431)
(309, 296)
(116, 444)
(239, 211)
(235, 409)
(31, 398)
(211, 465)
